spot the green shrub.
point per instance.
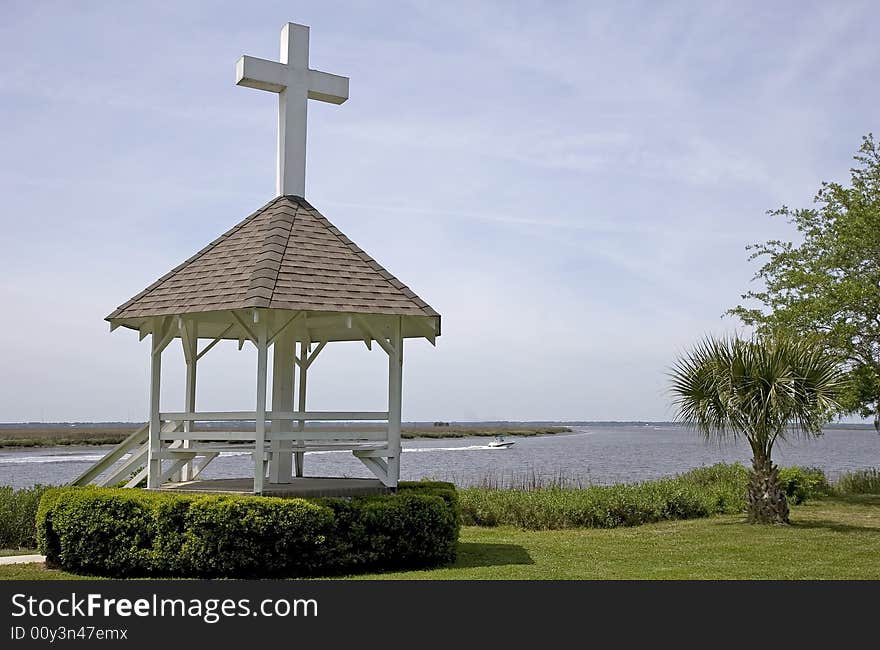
(802, 483)
(719, 489)
(866, 481)
(18, 513)
(127, 533)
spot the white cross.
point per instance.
(295, 84)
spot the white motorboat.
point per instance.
(501, 443)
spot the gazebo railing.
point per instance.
(296, 433)
(251, 416)
(370, 440)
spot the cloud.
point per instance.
(571, 186)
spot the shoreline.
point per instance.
(30, 438)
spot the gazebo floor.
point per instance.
(298, 487)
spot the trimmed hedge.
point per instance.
(135, 533)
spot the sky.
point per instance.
(571, 185)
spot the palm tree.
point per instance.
(763, 390)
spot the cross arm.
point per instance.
(326, 87)
(261, 74)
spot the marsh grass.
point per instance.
(533, 502)
(18, 514)
(50, 436)
(866, 481)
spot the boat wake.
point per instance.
(72, 458)
(16, 459)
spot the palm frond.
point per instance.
(761, 388)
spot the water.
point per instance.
(598, 454)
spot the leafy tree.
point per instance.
(763, 390)
(828, 286)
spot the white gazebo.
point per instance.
(283, 278)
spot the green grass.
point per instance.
(865, 481)
(830, 538)
(36, 572)
(6, 552)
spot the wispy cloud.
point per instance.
(571, 185)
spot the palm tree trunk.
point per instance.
(767, 502)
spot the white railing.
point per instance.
(306, 439)
(307, 434)
(250, 416)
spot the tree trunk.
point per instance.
(767, 502)
(877, 416)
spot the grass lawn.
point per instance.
(5, 552)
(830, 538)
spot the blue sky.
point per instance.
(571, 185)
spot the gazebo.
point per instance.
(284, 278)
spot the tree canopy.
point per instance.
(827, 287)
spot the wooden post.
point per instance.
(190, 339)
(154, 464)
(280, 463)
(395, 394)
(260, 442)
(301, 424)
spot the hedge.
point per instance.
(135, 533)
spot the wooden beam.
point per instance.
(281, 330)
(190, 337)
(300, 457)
(315, 353)
(250, 436)
(247, 416)
(213, 343)
(207, 458)
(249, 334)
(262, 371)
(355, 323)
(210, 416)
(168, 332)
(395, 393)
(280, 461)
(138, 478)
(330, 416)
(426, 328)
(380, 468)
(136, 459)
(365, 326)
(380, 452)
(139, 437)
(176, 466)
(306, 337)
(154, 445)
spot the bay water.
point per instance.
(590, 454)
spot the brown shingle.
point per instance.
(286, 255)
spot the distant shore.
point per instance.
(34, 436)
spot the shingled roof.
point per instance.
(286, 255)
